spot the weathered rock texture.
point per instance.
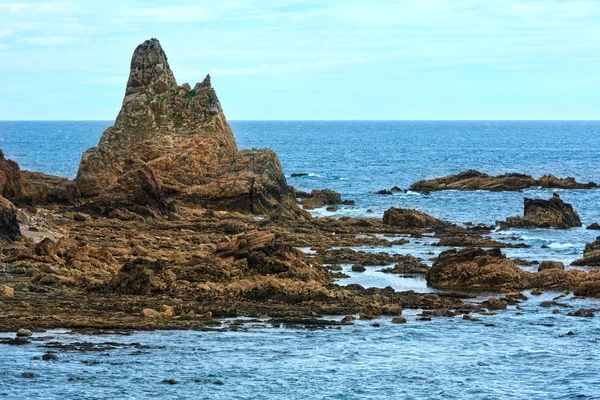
(474, 268)
(172, 141)
(553, 213)
(412, 219)
(591, 254)
(475, 180)
(11, 183)
(9, 226)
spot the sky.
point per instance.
(305, 59)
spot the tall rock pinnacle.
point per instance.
(172, 142)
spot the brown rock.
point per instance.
(391, 309)
(547, 264)
(9, 226)
(475, 180)
(591, 254)
(11, 182)
(22, 332)
(475, 268)
(6, 291)
(142, 277)
(242, 244)
(553, 213)
(170, 142)
(370, 312)
(495, 304)
(410, 219)
(398, 320)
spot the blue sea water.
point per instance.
(525, 355)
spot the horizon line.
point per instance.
(333, 120)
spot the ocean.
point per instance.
(514, 354)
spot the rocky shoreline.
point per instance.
(169, 226)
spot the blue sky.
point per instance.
(323, 59)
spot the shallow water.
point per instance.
(524, 355)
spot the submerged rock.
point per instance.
(171, 142)
(475, 180)
(553, 213)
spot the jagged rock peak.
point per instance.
(150, 71)
(172, 144)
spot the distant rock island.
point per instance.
(475, 180)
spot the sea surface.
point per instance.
(516, 354)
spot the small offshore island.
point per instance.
(169, 226)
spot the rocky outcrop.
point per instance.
(412, 219)
(475, 268)
(142, 277)
(408, 264)
(172, 142)
(553, 213)
(241, 245)
(11, 182)
(549, 264)
(321, 198)
(48, 189)
(476, 241)
(9, 226)
(475, 180)
(591, 255)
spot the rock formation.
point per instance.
(476, 269)
(412, 219)
(591, 254)
(553, 213)
(9, 226)
(172, 142)
(475, 180)
(11, 183)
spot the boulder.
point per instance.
(548, 264)
(358, 268)
(553, 213)
(172, 143)
(391, 309)
(9, 225)
(475, 180)
(476, 269)
(412, 219)
(6, 291)
(22, 332)
(594, 227)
